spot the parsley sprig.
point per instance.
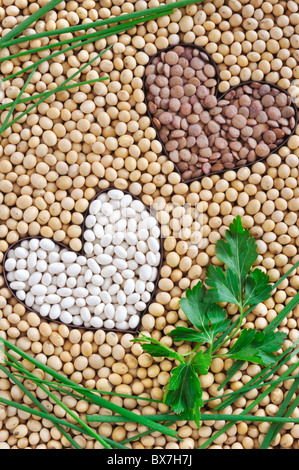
(238, 283)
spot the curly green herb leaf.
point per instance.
(257, 346)
(184, 392)
(257, 288)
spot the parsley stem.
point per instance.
(234, 332)
(296, 265)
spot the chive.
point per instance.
(92, 38)
(77, 387)
(267, 372)
(96, 399)
(253, 418)
(85, 429)
(249, 408)
(28, 21)
(231, 372)
(76, 418)
(69, 412)
(122, 419)
(16, 101)
(163, 9)
(96, 436)
(44, 59)
(35, 412)
(139, 436)
(52, 418)
(39, 405)
(34, 379)
(204, 417)
(59, 88)
(95, 36)
(281, 316)
(46, 93)
(237, 394)
(43, 48)
(275, 428)
(59, 389)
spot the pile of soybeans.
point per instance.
(86, 139)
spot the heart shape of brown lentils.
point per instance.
(205, 133)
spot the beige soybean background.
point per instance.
(82, 140)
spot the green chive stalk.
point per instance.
(7, 40)
(16, 101)
(96, 399)
(94, 36)
(87, 39)
(204, 417)
(39, 405)
(52, 418)
(28, 21)
(56, 90)
(261, 376)
(248, 409)
(78, 387)
(46, 94)
(282, 412)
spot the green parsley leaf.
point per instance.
(157, 349)
(269, 342)
(181, 333)
(236, 285)
(224, 285)
(257, 288)
(238, 252)
(215, 322)
(208, 317)
(201, 363)
(195, 305)
(184, 392)
(257, 346)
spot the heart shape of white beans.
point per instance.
(109, 284)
